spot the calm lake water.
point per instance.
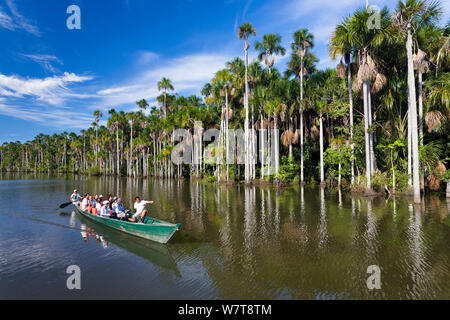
(235, 243)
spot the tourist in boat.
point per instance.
(105, 211)
(75, 197)
(98, 205)
(85, 202)
(119, 210)
(141, 211)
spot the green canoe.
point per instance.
(151, 228)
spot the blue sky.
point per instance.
(53, 78)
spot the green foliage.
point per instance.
(289, 170)
(93, 171)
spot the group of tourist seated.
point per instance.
(110, 208)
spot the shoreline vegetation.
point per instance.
(377, 123)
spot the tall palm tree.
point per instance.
(365, 42)
(244, 32)
(302, 41)
(165, 84)
(411, 15)
(341, 45)
(97, 114)
(223, 79)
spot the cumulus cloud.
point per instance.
(53, 90)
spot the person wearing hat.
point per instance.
(75, 197)
(105, 211)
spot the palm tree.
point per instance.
(270, 46)
(411, 15)
(244, 32)
(341, 45)
(142, 104)
(97, 114)
(223, 79)
(165, 84)
(302, 41)
(365, 42)
(114, 124)
(131, 117)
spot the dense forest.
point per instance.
(377, 122)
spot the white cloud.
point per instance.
(188, 73)
(145, 57)
(50, 117)
(52, 90)
(15, 21)
(44, 60)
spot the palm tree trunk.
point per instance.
(226, 132)
(371, 134)
(420, 86)
(277, 140)
(350, 100)
(409, 145)
(118, 156)
(322, 174)
(366, 133)
(247, 176)
(263, 153)
(301, 123)
(413, 110)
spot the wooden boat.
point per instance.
(151, 228)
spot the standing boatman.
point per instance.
(75, 198)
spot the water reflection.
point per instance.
(416, 248)
(157, 254)
(249, 242)
(323, 235)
